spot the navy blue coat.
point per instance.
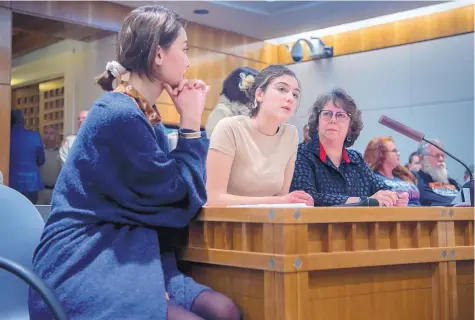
(100, 249)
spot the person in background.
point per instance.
(49, 171)
(26, 156)
(414, 163)
(251, 159)
(326, 169)
(435, 185)
(306, 134)
(383, 158)
(232, 101)
(108, 248)
(466, 176)
(69, 140)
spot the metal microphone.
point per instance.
(419, 136)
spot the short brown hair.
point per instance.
(143, 30)
(341, 99)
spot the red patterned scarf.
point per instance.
(150, 111)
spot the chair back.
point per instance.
(21, 226)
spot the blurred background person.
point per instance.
(69, 140)
(306, 136)
(26, 156)
(232, 101)
(414, 164)
(466, 176)
(435, 185)
(49, 171)
(383, 158)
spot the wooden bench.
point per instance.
(337, 263)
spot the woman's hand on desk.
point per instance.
(402, 199)
(386, 198)
(298, 197)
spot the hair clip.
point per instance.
(246, 81)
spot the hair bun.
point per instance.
(246, 81)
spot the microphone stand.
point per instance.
(463, 164)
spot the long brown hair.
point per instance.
(375, 155)
(143, 30)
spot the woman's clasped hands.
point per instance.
(189, 98)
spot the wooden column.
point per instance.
(290, 298)
(5, 89)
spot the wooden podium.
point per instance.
(337, 263)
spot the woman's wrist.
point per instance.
(188, 124)
(189, 134)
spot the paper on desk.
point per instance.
(458, 198)
(280, 205)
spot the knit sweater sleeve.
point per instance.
(119, 158)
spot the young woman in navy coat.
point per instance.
(106, 249)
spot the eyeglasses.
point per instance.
(393, 150)
(340, 116)
(436, 155)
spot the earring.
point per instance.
(254, 106)
(348, 138)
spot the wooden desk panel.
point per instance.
(337, 263)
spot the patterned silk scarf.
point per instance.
(150, 111)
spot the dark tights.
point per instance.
(209, 305)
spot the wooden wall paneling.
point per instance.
(5, 45)
(98, 14)
(428, 27)
(231, 43)
(5, 89)
(5, 108)
(211, 67)
(27, 100)
(52, 106)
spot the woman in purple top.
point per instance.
(383, 158)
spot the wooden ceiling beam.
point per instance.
(29, 42)
(97, 14)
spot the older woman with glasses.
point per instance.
(383, 158)
(325, 168)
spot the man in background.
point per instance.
(26, 156)
(50, 170)
(306, 134)
(435, 185)
(466, 175)
(69, 140)
(414, 163)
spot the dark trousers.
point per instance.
(32, 196)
